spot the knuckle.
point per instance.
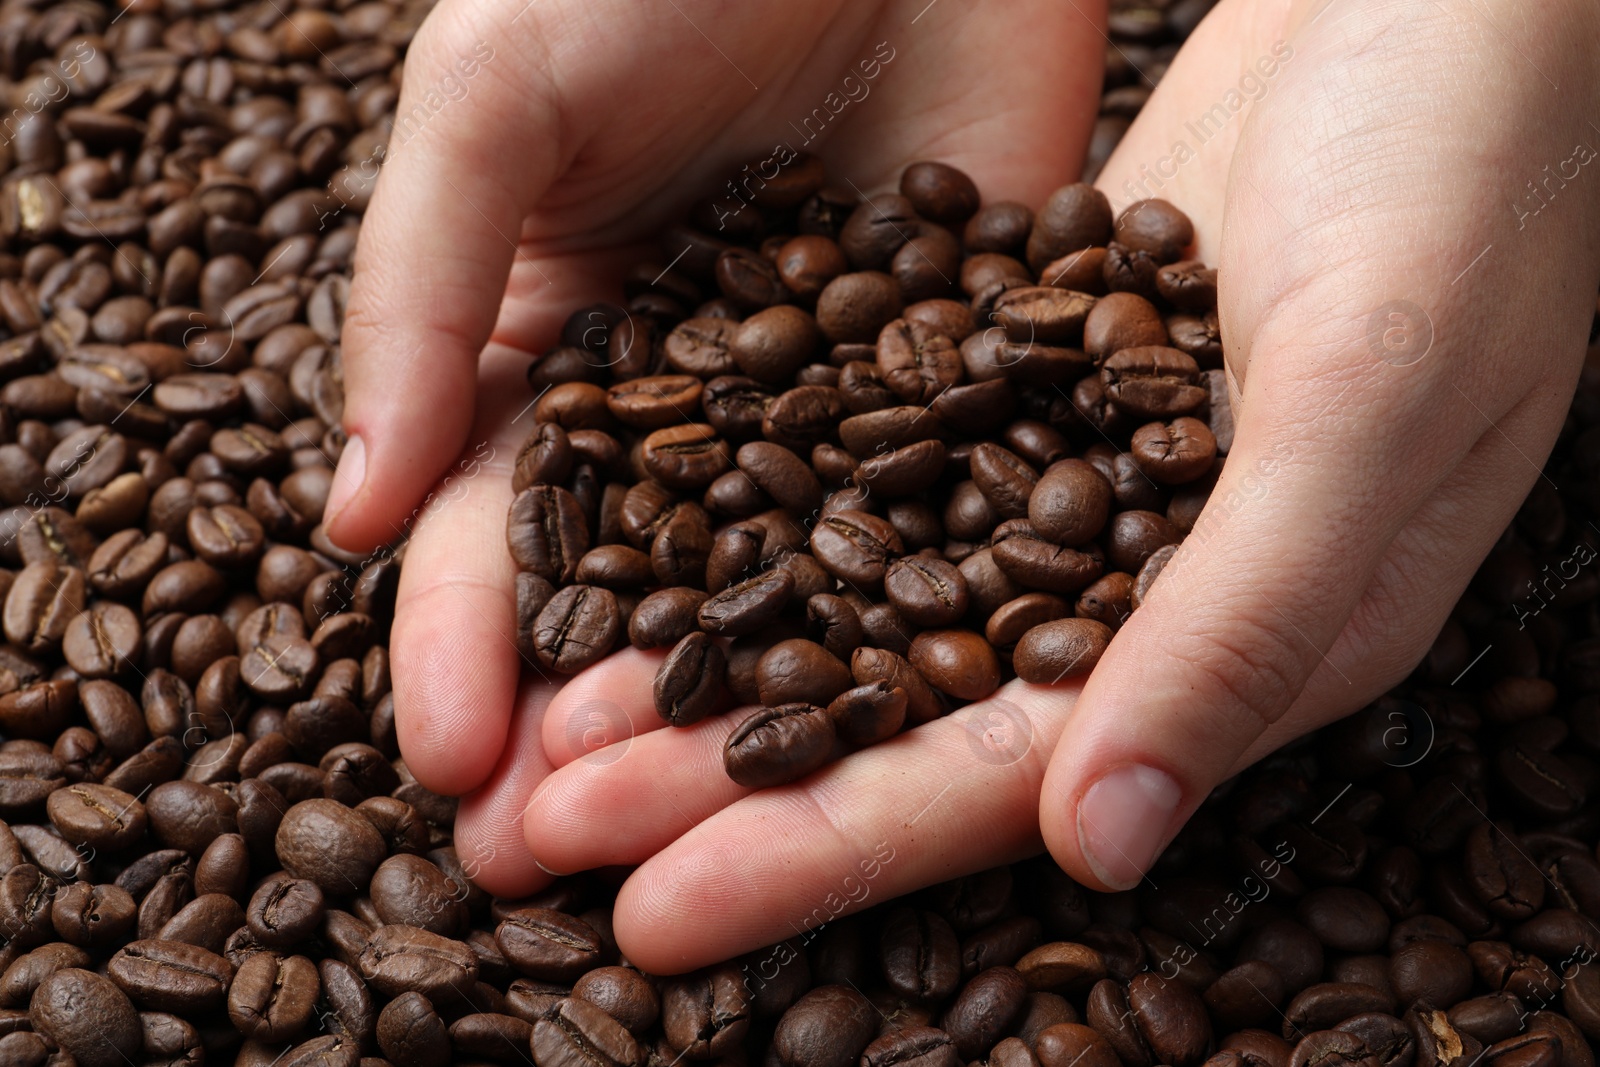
(1252, 669)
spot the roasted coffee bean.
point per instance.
(272, 997)
(1031, 561)
(957, 662)
(747, 606)
(547, 945)
(921, 957)
(778, 744)
(800, 671)
(1152, 382)
(689, 684)
(329, 844)
(575, 1033)
(171, 976)
(867, 714)
(285, 911)
(576, 628)
(89, 1017)
(986, 1009)
(623, 993)
(706, 1014)
(856, 547)
(399, 959)
(547, 532)
(97, 816)
(92, 916)
(828, 1027)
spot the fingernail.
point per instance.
(347, 478)
(547, 870)
(1124, 821)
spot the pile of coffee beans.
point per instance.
(211, 851)
(883, 468)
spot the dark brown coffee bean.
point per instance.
(575, 1033)
(916, 361)
(778, 744)
(800, 671)
(689, 684)
(622, 993)
(576, 628)
(410, 1031)
(1325, 1005)
(987, 1008)
(1155, 226)
(958, 662)
(97, 816)
(285, 911)
(1066, 1043)
(783, 476)
(748, 606)
(772, 344)
(171, 976)
(401, 959)
(1073, 218)
(1176, 452)
(92, 916)
(329, 844)
(189, 816)
(854, 308)
(706, 1015)
(103, 641)
(44, 599)
(1153, 382)
(547, 945)
(867, 714)
(89, 1017)
(807, 263)
(547, 532)
(1501, 875)
(272, 997)
(921, 957)
(855, 546)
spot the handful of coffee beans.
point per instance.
(211, 851)
(909, 447)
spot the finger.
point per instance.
(609, 704)
(622, 804)
(954, 796)
(488, 834)
(1340, 439)
(1419, 581)
(436, 248)
(455, 662)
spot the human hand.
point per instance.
(1371, 471)
(1404, 323)
(587, 127)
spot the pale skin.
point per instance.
(1382, 166)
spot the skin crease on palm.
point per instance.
(1380, 163)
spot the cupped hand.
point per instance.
(538, 141)
(1403, 333)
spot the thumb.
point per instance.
(435, 252)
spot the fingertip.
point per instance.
(348, 478)
(606, 705)
(453, 694)
(1118, 826)
(492, 850)
(487, 827)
